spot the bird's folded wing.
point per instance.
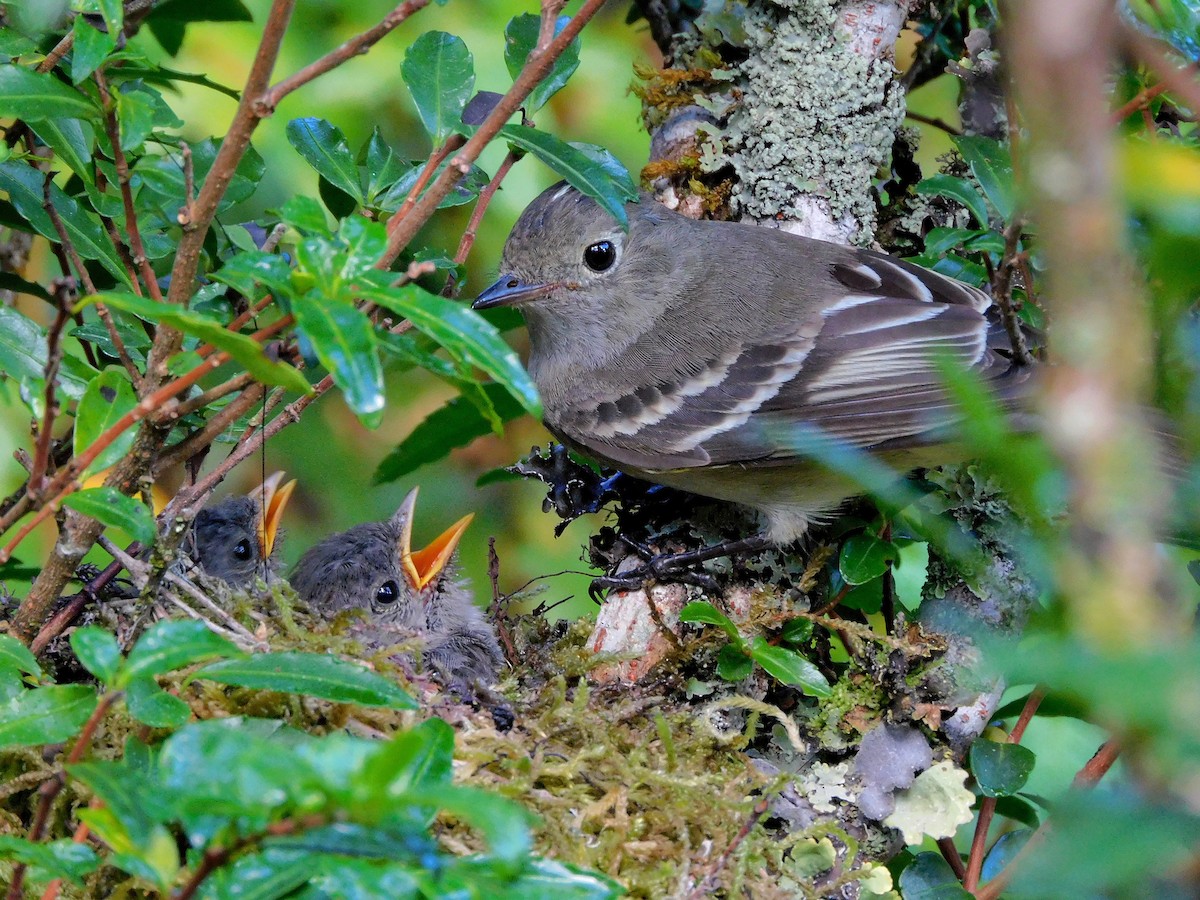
(866, 369)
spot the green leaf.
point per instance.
(463, 333)
(789, 667)
(503, 822)
(956, 189)
(142, 110)
(151, 705)
(111, 508)
(865, 557)
(25, 189)
(35, 96)
(520, 38)
(98, 651)
(422, 757)
(796, 631)
(440, 74)
(242, 348)
(108, 398)
(344, 341)
(705, 613)
(1000, 769)
(733, 664)
(22, 345)
(562, 881)
(454, 425)
(324, 147)
(63, 858)
(314, 674)
(929, 877)
(45, 715)
(170, 645)
(15, 656)
(586, 175)
(90, 48)
(1003, 852)
(939, 240)
(991, 165)
(72, 141)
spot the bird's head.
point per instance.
(233, 540)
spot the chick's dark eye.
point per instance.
(242, 550)
(389, 592)
(600, 256)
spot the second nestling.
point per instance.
(372, 567)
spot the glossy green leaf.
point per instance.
(174, 644)
(24, 185)
(581, 172)
(64, 858)
(91, 46)
(151, 705)
(520, 37)
(108, 398)
(789, 667)
(72, 141)
(15, 656)
(991, 165)
(956, 189)
(503, 822)
(35, 96)
(98, 651)
(940, 240)
(463, 333)
(1003, 852)
(324, 147)
(23, 354)
(865, 557)
(45, 715)
(440, 75)
(929, 877)
(111, 508)
(243, 348)
(420, 758)
(142, 110)
(344, 341)
(454, 425)
(1000, 769)
(703, 612)
(796, 631)
(314, 674)
(465, 190)
(384, 167)
(733, 664)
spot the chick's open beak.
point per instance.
(422, 566)
(509, 290)
(273, 497)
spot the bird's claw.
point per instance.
(656, 570)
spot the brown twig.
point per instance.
(50, 790)
(1180, 81)
(932, 121)
(1002, 291)
(54, 354)
(708, 884)
(400, 233)
(1092, 772)
(89, 593)
(436, 158)
(356, 46)
(203, 437)
(1139, 102)
(952, 856)
(987, 808)
(485, 198)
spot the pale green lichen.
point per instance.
(816, 118)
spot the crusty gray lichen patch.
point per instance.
(816, 118)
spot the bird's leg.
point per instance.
(678, 566)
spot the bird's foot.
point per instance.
(676, 567)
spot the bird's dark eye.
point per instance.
(389, 592)
(242, 550)
(600, 256)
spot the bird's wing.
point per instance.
(864, 367)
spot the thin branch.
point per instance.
(1086, 777)
(1139, 102)
(987, 808)
(356, 46)
(1002, 291)
(481, 205)
(89, 593)
(140, 260)
(54, 354)
(225, 388)
(198, 440)
(1180, 81)
(50, 790)
(536, 68)
(932, 121)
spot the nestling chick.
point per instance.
(234, 540)
(374, 568)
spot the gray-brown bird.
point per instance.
(373, 567)
(720, 357)
(235, 540)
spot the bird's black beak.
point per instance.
(509, 290)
